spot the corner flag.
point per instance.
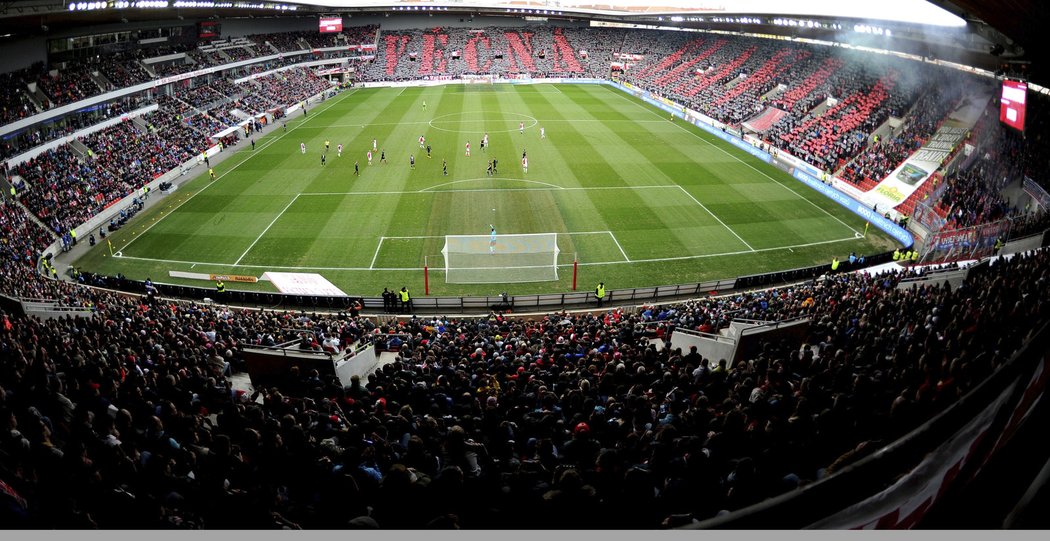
(110, 244)
(866, 225)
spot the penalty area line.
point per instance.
(623, 253)
(582, 264)
(252, 154)
(278, 217)
(376, 255)
(678, 125)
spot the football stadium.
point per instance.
(472, 264)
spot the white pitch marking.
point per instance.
(234, 168)
(595, 188)
(626, 259)
(252, 245)
(697, 201)
(378, 246)
(731, 155)
(553, 186)
(595, 263)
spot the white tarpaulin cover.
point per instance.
(303, 283)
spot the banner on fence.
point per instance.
(1038, 194)
(911, 174)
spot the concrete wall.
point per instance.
(361, 364)
(22, 53)
(232, 28)
(712, 347)
(235, 28)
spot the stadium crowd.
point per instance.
(39, 134)
(127, 417)
(926, 116)
(66, 186)
(443, 52)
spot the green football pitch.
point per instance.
(636, 199)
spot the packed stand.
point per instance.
(15, 103)
(64, 190)
(175, 67)
(732, 79)
(122, 70)
(137, 156)
(288, 86)
(506, 52)
(242, 52)
(203, 96)
(561, 421)
(252, 103)
(69, 84)
(929, 112)
(284, 42)
(39, 134)
(22, 242)
(185, 137)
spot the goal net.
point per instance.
(475, 259)
(478, 79)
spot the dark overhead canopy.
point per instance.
(1023, 21)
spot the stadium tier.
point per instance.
(723, 179)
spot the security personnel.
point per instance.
(73, 234)
(834, 264)
(599, 293)
(212, 173)
(897, 254)
(406, 299)
(220, 287)
(389, 304)
(914, 256)
(998, 245)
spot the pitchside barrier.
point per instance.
(898, 484)
(449, 305)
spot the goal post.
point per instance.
(484, 79)
(477, 259)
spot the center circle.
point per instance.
(474, 122)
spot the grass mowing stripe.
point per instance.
(713, 215)
(630, 210)
(627, 189)
(275, 218)
(250, 155)
(582, 264)
(726, 152)
(627, 259)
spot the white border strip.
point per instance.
(591, 264)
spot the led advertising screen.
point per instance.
(1011, 106)
(331, 24)
(208, 30)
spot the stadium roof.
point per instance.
(913, 11)
(1007, 28)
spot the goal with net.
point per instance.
(476, 259)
